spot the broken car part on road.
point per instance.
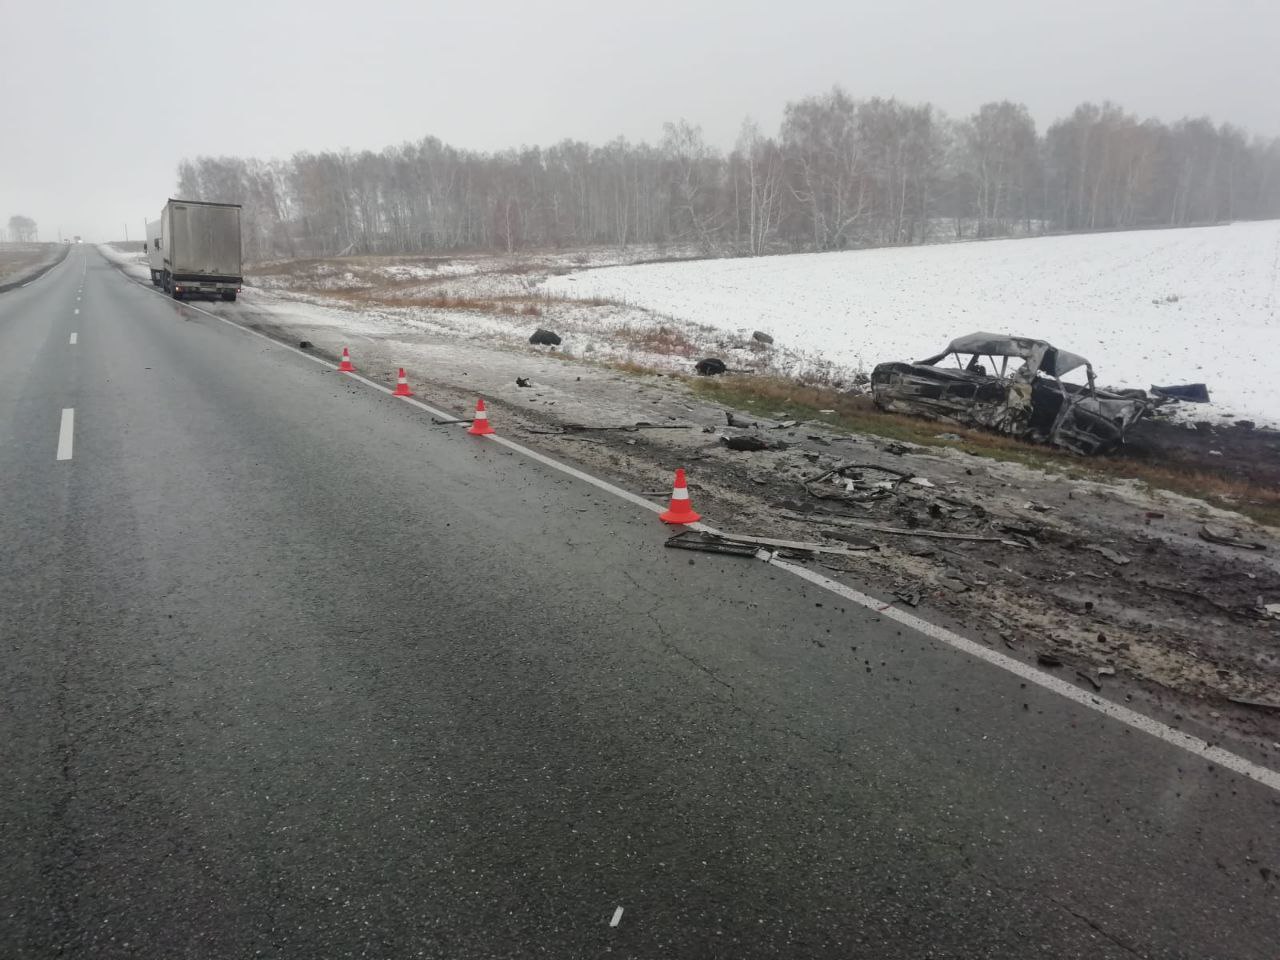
(746, 546)
(624, 428)
(1031, 402)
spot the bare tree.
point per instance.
(23, 229)
(758, 178)
(999, 153)
(840, 172)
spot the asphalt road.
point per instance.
(289, 672)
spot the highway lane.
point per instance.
(290, 672)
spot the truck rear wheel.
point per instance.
(229, 295)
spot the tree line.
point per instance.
(21, 230)
(840, 172)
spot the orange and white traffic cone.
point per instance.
(345, 366)
(681, 510)
(480, 425)
(402, 386)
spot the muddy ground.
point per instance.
(1233, 447)
(1109, 585)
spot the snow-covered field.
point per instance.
(1146, 307)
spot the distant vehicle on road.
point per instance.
(77, 238)
(200, 249)
(155, 256)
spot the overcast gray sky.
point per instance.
(100, 100)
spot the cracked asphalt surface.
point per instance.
(290, 672)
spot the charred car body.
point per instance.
(1013, 385)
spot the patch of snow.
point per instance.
(1146, 307)
(133, 261)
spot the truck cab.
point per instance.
(155, 256)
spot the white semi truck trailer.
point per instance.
(200, 249)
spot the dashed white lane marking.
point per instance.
(1131, 718)
(617, 917)
(77, 309)
(65, 433)
(72, 341)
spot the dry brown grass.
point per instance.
(524, 305)
(860, 415)
(663, 340)
(511, 306)
(19, 258)
(630, 366)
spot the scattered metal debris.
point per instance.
(710, 367)
(857, 542)
(743, 545)
(439, 422)
(1115, 556)
(857, 487)
(545, 338)
(523, 382)
(710, 543)
(910, 597)
(747, 443)
(1032, 402)
(1225, 538)
(1090, 678)
(304, 344)
(761, 337)
(622, 428)
(903, 532)
(1046, 659)
(733, 421)
(1191, 392)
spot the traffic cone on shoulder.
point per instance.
(402, 386)
(345, 366)
(480, 425)
(681, 510)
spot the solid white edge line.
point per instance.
(1131, 718)
(66, 432)
(72, 341)
(617, 917)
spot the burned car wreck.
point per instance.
(1013, 385)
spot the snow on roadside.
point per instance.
(133, 261)
(1146, 307)
(500, 300)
